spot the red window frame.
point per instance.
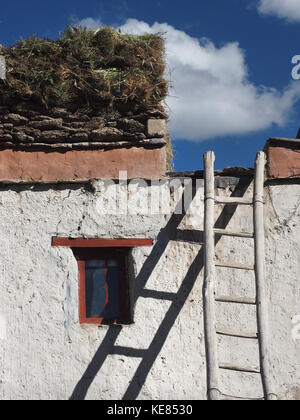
(117, 249)
(85, 254)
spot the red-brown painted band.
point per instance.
(81, 165)
(100, 243)
(284, 161)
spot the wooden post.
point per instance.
(262, 307)
(209, 280)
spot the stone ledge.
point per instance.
(147, 143)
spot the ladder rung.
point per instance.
(229, 333)
(231, 233)
(234, 201)
(227, 366)
(235, 265)
(231, 299)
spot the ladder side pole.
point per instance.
(262, 307)
(209, 279)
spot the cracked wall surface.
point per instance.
(46, 354)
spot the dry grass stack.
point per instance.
(88, 73)
(86, 68)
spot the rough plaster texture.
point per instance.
(46, 354)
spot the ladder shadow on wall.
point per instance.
(149, 355)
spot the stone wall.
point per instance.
(28, 125)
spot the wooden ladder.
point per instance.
(211, 330)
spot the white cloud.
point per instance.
(89, 23)
(212, 95)
(287, 9)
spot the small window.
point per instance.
(106, 278)
(104, 285)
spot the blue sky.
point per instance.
(230, 65)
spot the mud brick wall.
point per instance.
(51, 145)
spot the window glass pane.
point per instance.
(102, 289)
(95, 263)
(112, 263)
(112, 310)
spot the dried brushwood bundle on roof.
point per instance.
(86, 68)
